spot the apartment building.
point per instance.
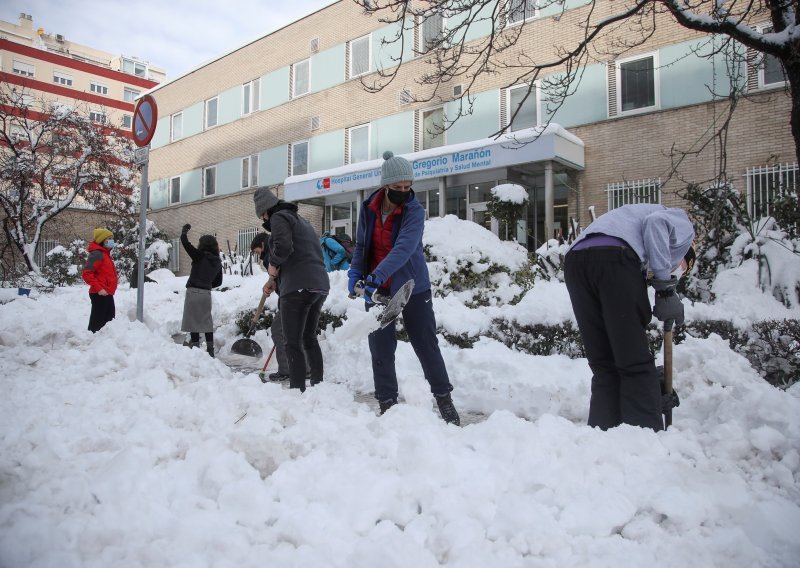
(47, 66)
(289, 111)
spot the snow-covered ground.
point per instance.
(124, 448)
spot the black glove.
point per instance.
(668, 305)
(185, 229)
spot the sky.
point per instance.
(126, 449)
(176, 35)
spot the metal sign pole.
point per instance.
(142, 236)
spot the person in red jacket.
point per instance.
(101, 276)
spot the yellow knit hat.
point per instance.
(100, 235)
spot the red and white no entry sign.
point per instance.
(145, 116)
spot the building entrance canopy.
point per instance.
(542, 144)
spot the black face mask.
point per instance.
(397, 196)
(267, 226)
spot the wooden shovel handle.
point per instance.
(260, 308)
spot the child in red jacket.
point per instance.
(101, 276)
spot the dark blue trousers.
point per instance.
(103, 311)
(609, 297)
(420, 324)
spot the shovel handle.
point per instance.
(259, 309)
(668, 369)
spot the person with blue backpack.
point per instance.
(334, 253)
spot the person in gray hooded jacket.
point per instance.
(606, 275)
(297, 269)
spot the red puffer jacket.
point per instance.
(99, 272)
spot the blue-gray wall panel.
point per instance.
(275, 88)
(273, 165)
(327, 68)
(395, 133)
(230, 105)
(161, 136)
(193, 120)
(484, 120)
(588, 104)
(326, 151)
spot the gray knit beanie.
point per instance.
(395, 169)
(264, 200)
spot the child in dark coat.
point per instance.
(206, 273)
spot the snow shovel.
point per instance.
(263, 372)
(669, 398)
(245, 345)
(393, 305)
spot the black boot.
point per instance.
(387, 404)
(191, 344)
(447, 410)
(210, 349)
(278, 377)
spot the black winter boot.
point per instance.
(210, 349)
(447, 410)
(386, 404)
(191, 344)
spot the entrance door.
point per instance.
(477, 213)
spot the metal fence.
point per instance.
(766, 184)
(42, 248)
(640, 191)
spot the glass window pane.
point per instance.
(773, 70)
(432, 122)
(211, 113)
(210, 181)
(300, 78)
(256, 95)
(638, 84)
(433, 203)
(246, 98)
(245, 171)
(481, 192)
(254, 169)
(359, 144)
(457, 201)
(359, 57)
(300, 159)
(526, 117)
(175, 190)
(431, 30)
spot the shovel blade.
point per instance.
(396, 304)
(247, 347)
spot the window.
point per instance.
(250, 171)
(766, 184)
(527, 115)
(209, 181)
(770, 73)
(176, 126)
(431, 32)
(251, 96)
(300, 78)
(60, 78)
(127, 121)
(521, 10)
(211, 112)
(129, 95)
(299, 158)
(98, 88)
(174, 190)
(95, 116)
(134, 68)
(358, 144)
(627, 192)
(637, 84)
(360, 56)
(24, 69)
(432, 124)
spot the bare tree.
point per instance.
(463, 51)
(53, 156)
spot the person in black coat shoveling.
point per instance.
(606, 275)
(259, 246)
(206, 274)
(387, 254)
(296, 267)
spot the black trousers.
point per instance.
(300, 312)
(420, 323)
(609, 297)
(102, 311)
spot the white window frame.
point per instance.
(656, 84)
(176, 133)
(23, 68)
(251, 97)
(129, 95)
(526, 18)
(135, 67)
(98, 88)
(61, 78)
(206, 114)
(97, 116)
(248, 172)
(213, 171)
(422, 48)
(294, 93)
(762, 84)
(537, 101)
(422, 130)
(350, 143)
(368, 39)
(629, 192)
(171, 184)
(308, 156)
